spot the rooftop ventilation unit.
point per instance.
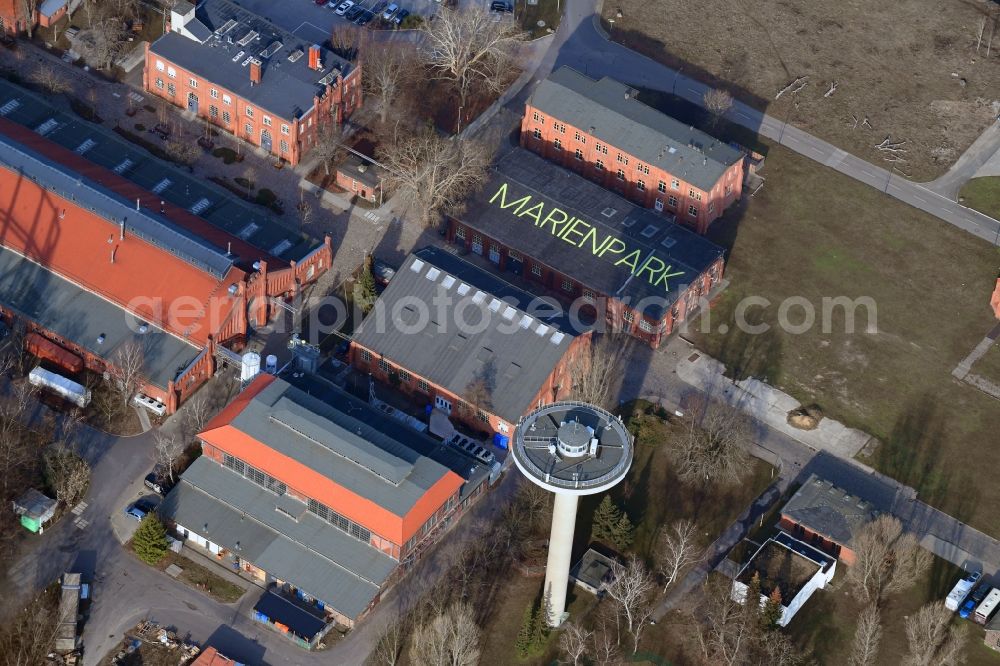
(248, 231)
(200, 206)
(9, 106)
(238, 56)
(124, 166)
(85, 146)
(283, 246)
(608, 212)
(295, 55)
(229, 25)
(162, 185)
(271, 50)
(47, 126)
(249, 37)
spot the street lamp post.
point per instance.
(459, 120)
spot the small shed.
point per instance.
(301, 623)
(69, 609)
(592, 571)
(35, 509)
(361, 177)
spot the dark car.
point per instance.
(365, 18)
(354, 12)
(403, 13)
(156, 482)
(500, 6)
(379, 7)
(974, 600)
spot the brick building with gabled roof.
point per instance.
(251, 78)
(323, 495)
(91, 263)
(601, 130)
(515, 354)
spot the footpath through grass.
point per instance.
(811, 234)
(982, 194)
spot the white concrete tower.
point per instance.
(571, 449)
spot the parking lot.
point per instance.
(314, 22)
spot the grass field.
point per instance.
(982, 194)
(911, 68)
(826, 624)
(813, 233)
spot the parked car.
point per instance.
(156, 483)
(139, 509)
(354, 12)
(400, 15)
(500, 6)
(379, 6)
(390, 11)
(343, 7)
(320, 2)
(364, 19)
(974, 600)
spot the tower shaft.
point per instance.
(560, 550)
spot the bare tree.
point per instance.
(197, 413)
(29, 15)
(631, 586)
(125, 370)
(678, 550)
(169, 448)
(713, 446)
(717, 102)
(888, 559)
(725, 633)
(604, 646)
(867, 637)
(182, 151)
(435, 172)
(327, 144)
(573, 641)
(386, 66)
(469, 47)
(16, 452)
(775, 648)
(27, 639)
(932, 641)
(598, 371)
(345, 41)
(389, 644)
(104, 42)
(50, 78)
(449, 638)
(67, 474)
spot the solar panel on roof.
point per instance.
(123, 166)
(248, 231)
(9, 106)
(47, 126)
(283, 246)
(85, 146)
(162, 185)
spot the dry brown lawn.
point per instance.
(911, 68)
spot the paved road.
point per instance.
(580, 44)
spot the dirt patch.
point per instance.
(912, 69)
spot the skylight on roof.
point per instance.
(542, 329)
(238, 56)
(509, 313)
(283, 246)
(494, 305)
(416, 265)
(557, 337)
(432, 273)
(247, 38)
(526, 321)
(248, 231)
(295, 55)
(274, 47)
(671, 150)
(447, 281)
(9, 106)
(85, 146)
(463, 289)
(668, 242)
(478, 297)
(608, 212)
(649, 231)
(162, 185)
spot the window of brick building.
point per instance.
(589, 294)
(601, 148)
(172, 89)
(645, 326)
(711, 207)
(404, 376)
(621, 175)
(537, 133)
(559, 127)
(267, 121)
(422, 385)
(600, 165)
(557, 144)
(213, 111)
(675, 184)
(226, 118)
(640, 185)
(538, 118)
(579, 137)
(214, 93)
(284, 146)
(628, 316)
(460, 233)
(622, 159)
(284, 129)
(661, 186)
(578, 154)
(227, 100)
(536, 270)
(248, 128)
(171, 72)
(693, 211)
(516, 256)
(567, 284)
(672, 201)
(728, 190)
(193, 83)
(159, 83)
(159, 66)
(694, 194)
(383, 365)
(249, 112)
(483, 416)
(366, 356)
(643, 168)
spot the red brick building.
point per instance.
(12, 18)
(486, 353)
(91, 263)
(313, 490)
(827, 517)
(605, 257)
(995, 300)
(251, 78)
(602, 131)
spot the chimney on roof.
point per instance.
(121, 230)
(315, 60)
(254, 72)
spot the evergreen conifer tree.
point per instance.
(523, 642)
(606, 520)
(150, 540)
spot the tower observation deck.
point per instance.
(570, 449)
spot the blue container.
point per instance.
(500, 441)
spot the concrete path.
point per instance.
(981, 152)
(580, 43)
(990, 168)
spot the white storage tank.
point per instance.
(272, 364)
(250, 367)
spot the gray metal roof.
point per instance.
(341, 445)
(310, 553)
(655, 238)
(506, 345)
(78, 315)
(202, 198)
(50, 7)
(152, 228)
(827, 509)
(287, 87)
(609, 110)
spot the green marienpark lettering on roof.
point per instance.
(586, 236)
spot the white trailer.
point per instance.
(989, 606)
(64, 387)
(960, 592)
